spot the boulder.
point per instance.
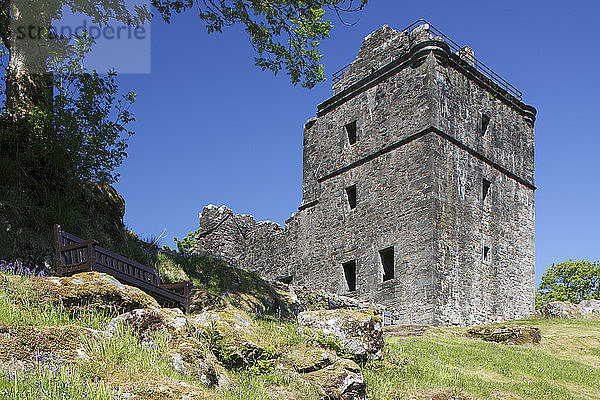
(188, 357)
(88, 289)
(147, 322)
(506, 334)
(341, 380)
(308, 359)
(187, 354)
(589, 308)
(351, 333)
(332, 377)
(559, 309)
(232, 336)
(34, 344)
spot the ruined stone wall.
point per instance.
(262, 246)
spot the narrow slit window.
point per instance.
(486, 253)
(350, 275)
(485, 188)
(485, 122)
(387, 261)
(351, 194)
(352, 132)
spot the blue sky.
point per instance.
(213, 129)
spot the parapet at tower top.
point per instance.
(383, 47)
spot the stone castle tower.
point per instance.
(418, 189)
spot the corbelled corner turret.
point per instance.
(418, 188)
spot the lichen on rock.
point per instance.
(506, 334)
(353, 333)
(88, 289)
(233, 337)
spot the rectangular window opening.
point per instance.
(351, 193)
(387, 261)
(350, 275)
(485, 122)
(486, 253)
(352, 132)
(485, 188)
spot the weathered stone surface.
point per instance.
(568, 310)
(443, 168)
(559, 309)
(341, 380)
(348, 332)
(507, 334)
(589, 308)
(148, 322)
(190, 358)
(187, 354)
(89, 289)
(33, 344)
(308, 359)
(332, 376)
(232, 336)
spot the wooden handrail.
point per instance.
(119, 257)
(96, 258)
(79, 245)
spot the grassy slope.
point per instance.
(440, 364)
(566, 365)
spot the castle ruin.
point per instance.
(418, 189)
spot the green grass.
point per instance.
(252, 386)
(565, 365)
(18, 307)
(51, 382)
(445, 360)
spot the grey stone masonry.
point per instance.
(418, 191)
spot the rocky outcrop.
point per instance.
(332, 376)
(341, 380)
(232, 336)
(28, 344)
(568, 310)
(589, 308)
(187, 355)
(148, 322)
(507, 334)
(352, 333)
(204, 346)
(88, 289)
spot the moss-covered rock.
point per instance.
(190, 358)
(334, 378)
(233, 337)
(507, 334)
(351, 333)
(89, 289)
(305, 359)
(341, 380)
(148, 322)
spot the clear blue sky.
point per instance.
(213, 129)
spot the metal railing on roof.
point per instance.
(461, 52)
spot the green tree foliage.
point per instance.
(63, 134)
(57, 156)
(572, 281)
(284, 33)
